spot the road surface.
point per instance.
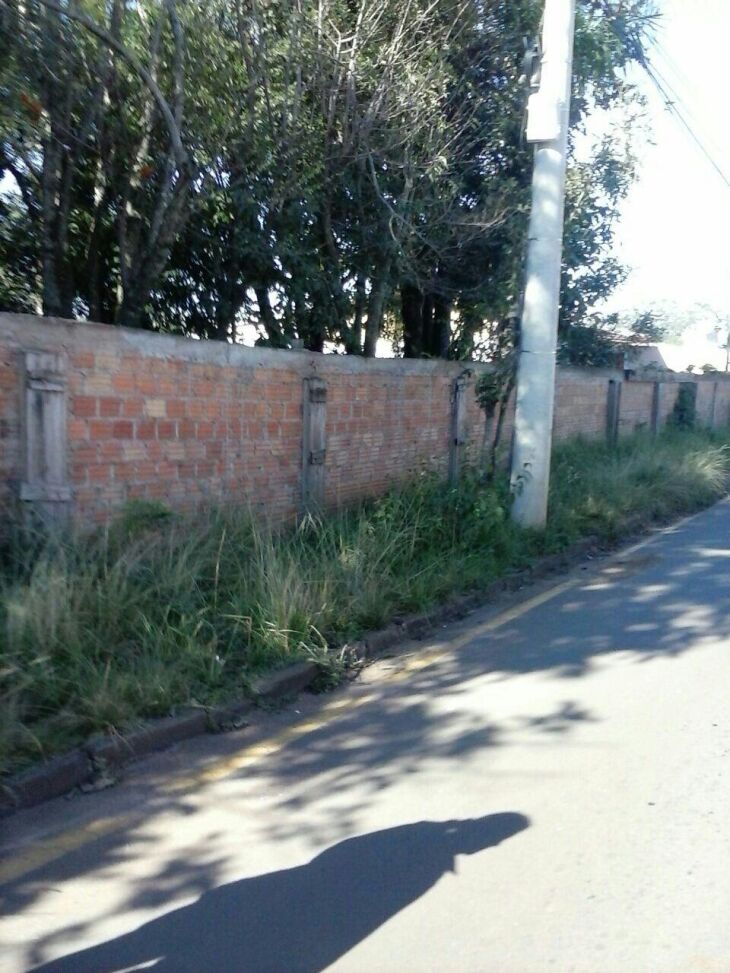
(544, 787)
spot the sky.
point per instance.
(675, 222)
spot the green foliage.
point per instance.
(601, 340)
(139, 516)
(321, 190)
(158, 612)
(589, 344)
(19, 265)
(684, 413)
(489, 389)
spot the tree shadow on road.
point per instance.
(299, 920)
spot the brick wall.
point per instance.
(194, 423)
(636, 402)
(580, 403)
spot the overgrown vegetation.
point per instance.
(159, 611)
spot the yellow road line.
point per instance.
(265, 748)
(50, 849)
(415, 663)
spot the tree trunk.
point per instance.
(352, 337)
(503, 405)
(436, 325)
(53, 303)
(268, 319)
(376, 306)
(411, 300)
(441, 327)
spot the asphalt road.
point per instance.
(546, 787)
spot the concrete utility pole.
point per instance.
(548, 119)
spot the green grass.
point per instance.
(158, 611)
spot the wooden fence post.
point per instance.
(656, 404)
(44, 436)
(713, 405)
(457, 441)
(613, 411)
(314, 445)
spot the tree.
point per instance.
(96, 147)
(325, 170)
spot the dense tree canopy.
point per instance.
(325, 170)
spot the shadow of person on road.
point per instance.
(299, 920)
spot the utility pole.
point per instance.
(547, 126)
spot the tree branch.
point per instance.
(182, 159)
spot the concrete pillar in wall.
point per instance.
(457, 442)
(314, 445)
(713, 406)
(613, 411)
(45, 487)
(656, 408)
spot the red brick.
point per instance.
(110, 407)
(82, 359)
(123, 429)
(145, 468)
(123, 382)
(132, 408)
(147, 384)
(158, 489)
(99, 473)
(83, 406)
(110, 450)
(176, 408)
(166, 386)
(100, 429)
(166, 469)
(146, 429)
(166, 429)
(78, 429)
(84, 454)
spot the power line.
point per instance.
(686, 106)
(675, 68)
(681, 86)
(672, 100)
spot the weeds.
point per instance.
(158, 611)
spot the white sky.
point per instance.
(674, 229)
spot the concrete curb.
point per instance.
(39, 784)
(84, 765)
(281, 683)
(112, 751)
